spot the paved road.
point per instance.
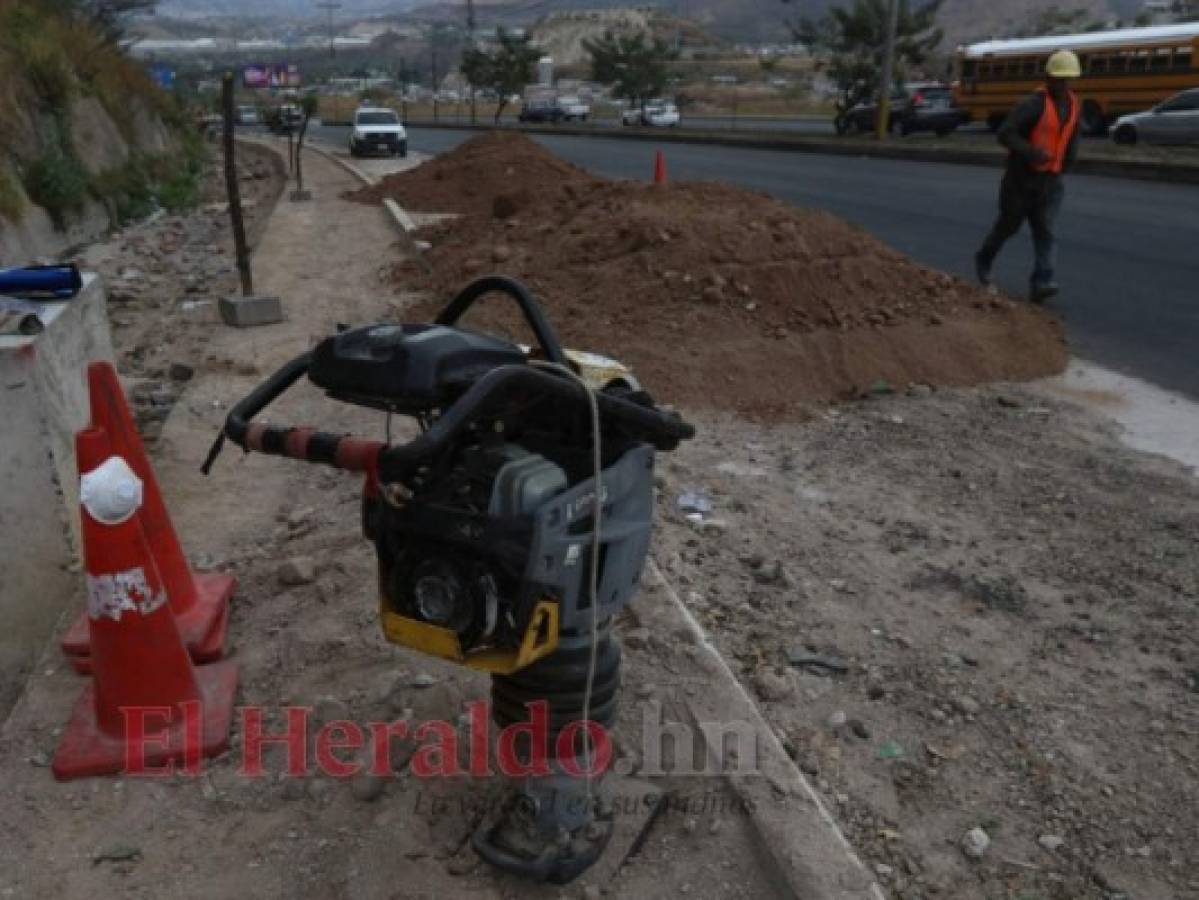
(800, 124)
(1129, 250)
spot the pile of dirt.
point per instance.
(719, 296)
(499, 173)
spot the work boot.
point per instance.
(1040, 291)
(982, 269)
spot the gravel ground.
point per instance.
(970, 615)
(963, 610)
(304, 630)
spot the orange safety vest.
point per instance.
(1053, 137)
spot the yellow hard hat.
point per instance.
(1063, 64)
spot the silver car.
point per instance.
(1173, 121)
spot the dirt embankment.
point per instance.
(717, 296)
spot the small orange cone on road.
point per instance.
(147, 706)
(660, 168)
(199, 602)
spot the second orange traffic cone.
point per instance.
(199, 602)
(660, 168)
(147, 705)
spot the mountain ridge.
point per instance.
(734, 20)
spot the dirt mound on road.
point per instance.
(498, 173)
(719, 296)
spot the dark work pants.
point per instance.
(1037, 198)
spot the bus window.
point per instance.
(1139, 61)
(1118, 64)
(1160, 60)
(1030, 66)
(1097, 64)
(984, 70)
(969, 68)
(1182, 59)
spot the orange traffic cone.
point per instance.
(199, 602)
(146, 706)
(660, 168)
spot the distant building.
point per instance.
(358, 85)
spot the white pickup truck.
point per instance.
(377, 130)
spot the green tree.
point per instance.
(476, 67)
(848, 42)
(635, 68)
(505, 70)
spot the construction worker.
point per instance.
(1041, 136)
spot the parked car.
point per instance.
(540, 110)
(1173, 121)
(657, 114)
(573, 109)
(247, 115)
(377, 130)
(210, 124)
(921, 106)
(285, 119)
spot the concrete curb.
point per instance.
(811, 854)
(1140, 170)
(402, 220)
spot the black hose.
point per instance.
(502, 284)
(262, 396)
(238, 420)
(663, 430)
(487, 395)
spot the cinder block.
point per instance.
(301, 196)
(243, 312)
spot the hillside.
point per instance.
(84, 139)
(765, 20)
(562, 35)
(727, 20)
(291, 9)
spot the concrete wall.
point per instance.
(43, 402)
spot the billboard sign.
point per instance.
(255, 77)
(276, 75)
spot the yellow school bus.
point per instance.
(1126, 70)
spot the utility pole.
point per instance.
(403, 75)
(330, 7)
(433, 67)
(470, 43)
(884, 90)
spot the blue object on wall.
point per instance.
(163, 75)
(59, 282)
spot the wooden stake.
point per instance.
(234, 191)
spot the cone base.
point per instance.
(202, 628)
(86, 750)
